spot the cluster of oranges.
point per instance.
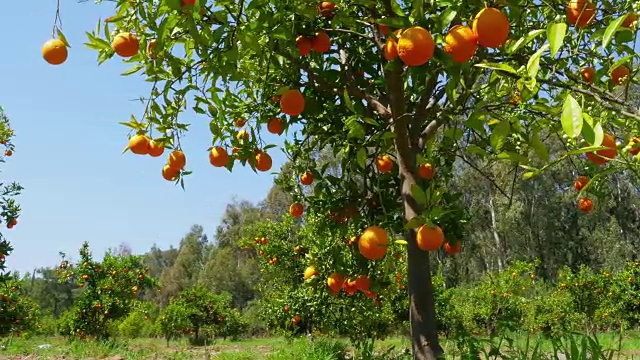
(415, 45)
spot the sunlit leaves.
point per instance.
(555, 34)
(571, 117)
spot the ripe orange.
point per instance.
(416, 46)
(139, 144)
(426, 171)
(310, 272)
(384, 164)
(306, 178)
(218, 156)
(580, 13)
(620, 75)
(373, 243)
(240, 122)
(54, 52)
(334, 282)
(151, 49)
(296, 209)
(580, 183)
(601, 157)
(242, 135)
(125, 44)
(321, 42)
(491, 26)
(429, 238)
(349, 286)
(155, 148)
(304, 45)
(169, 173)
(461, 43)
(629, 20)
(634, 144)
(452, 249)
(275, 126)
(296, 319)
(177, 160)
(292, 102)
(363, 283)
(327, 9)
(391, 47)
(12, 223)
(8, 153)
(263, 161)
(585, 205)
(587, 73)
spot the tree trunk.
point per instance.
(422, 310)
(496, 236)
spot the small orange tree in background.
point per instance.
(17, 313)
(315, 281)
(109, 288)
(400, 90)
(196, 311)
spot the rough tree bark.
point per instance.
(422, 311)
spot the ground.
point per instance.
(254, 349)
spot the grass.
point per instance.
(250, 349)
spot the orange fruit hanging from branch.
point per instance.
(373, 243)
(491, 27)
(218, 156)
(416, 46)
(601, 157)
(292, 102)
(588, 73)
(429, 238)
(580, 13)
(55, 52)
(139, 144)
(461, 43)
(125, 44)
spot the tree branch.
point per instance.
(354, 91)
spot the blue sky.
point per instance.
(78, 185)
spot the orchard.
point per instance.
(397, 92)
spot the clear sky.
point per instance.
(78, 185)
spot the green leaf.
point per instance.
(499, 135)
(347, 101)
(555, 35)
(538, 146)
(62, 38)
(571, 117)
(525, 40)
(499, 66)
(414, 223)
(612, 29)
(418, 194)
(395, 22)
(397, 8)
(134, 69)
(356, 130)
(417, 11)
(528, 175)
(533, 65)
(362, 158)
(401, 242)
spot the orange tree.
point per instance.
(16, 315)
(196, 310)
(315, 280)
(109, 289)
(398, 88)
